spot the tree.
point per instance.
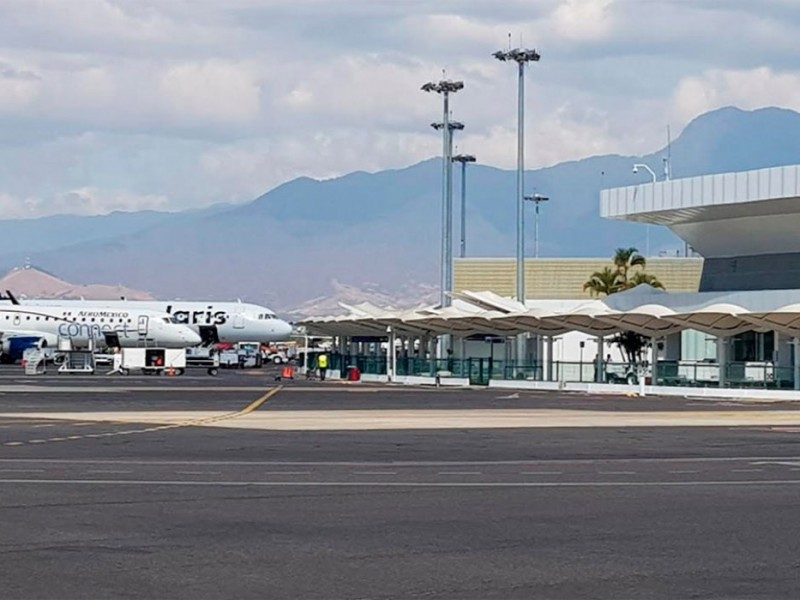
(618, 279)
(627, 258)
(646, 279)
(603, 283)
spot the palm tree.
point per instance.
(645, 278)
(625, 259)
(618, 279)
(603, 283)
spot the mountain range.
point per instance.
(29, 282)
(378, 231)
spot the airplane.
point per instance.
(215, 322)
(23, 327)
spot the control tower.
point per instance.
(746, 225)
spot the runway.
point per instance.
(650, 472)
(609, 509)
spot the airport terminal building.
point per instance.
(730, 319)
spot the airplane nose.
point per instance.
(191, 337)
(283, 329)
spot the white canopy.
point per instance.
(648, 312)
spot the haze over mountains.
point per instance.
(378, 231)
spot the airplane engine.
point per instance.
(14, 347)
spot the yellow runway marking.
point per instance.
(252, 407)
(261, 401)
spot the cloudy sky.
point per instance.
(173, 104)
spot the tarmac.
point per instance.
(242, 486)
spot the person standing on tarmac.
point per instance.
(322, 365)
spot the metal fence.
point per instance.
(480, 371)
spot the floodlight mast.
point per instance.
(463, 159)
(445, 88)
(537, 199)
(448, 213)
(522, 57)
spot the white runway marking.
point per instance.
(404, 484)
(21, 470)
(616, 472)
(110, 471)
(541, 472)
(750, 460)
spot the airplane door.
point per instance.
(238, 321)
(142, 325)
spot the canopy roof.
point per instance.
(643, 310)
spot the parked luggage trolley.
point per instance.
(154, 361)
(203, 358)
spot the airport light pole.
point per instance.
(445, 88)
(636, 168)
(522, 57)
(537, 199)
(463, 159)
(448, 213)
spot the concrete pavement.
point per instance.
(128, 509)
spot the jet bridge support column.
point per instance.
(550, 357)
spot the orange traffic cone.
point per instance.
(171, 371)
(288, 373)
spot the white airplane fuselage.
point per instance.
(226, 322)
(128, 328)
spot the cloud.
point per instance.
(182, 103)
(749, 89)
(84, 201)
(18, 89)
(584, 19)
(214, 91)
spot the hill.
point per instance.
(287, 246)
(29, 282)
